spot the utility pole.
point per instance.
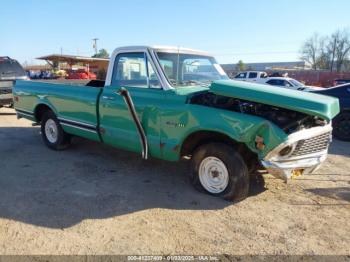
(94, 44)
(59, 64)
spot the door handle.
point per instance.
(108, 97)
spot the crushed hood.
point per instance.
(325, 107)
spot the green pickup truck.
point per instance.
(173, 103)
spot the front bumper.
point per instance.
(287, 169)
(305, 159)
(6, 99)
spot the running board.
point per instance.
(128, 100)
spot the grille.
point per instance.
(5, 91)
(312, 145)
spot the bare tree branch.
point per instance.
(330, 53)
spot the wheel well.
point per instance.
(197, 139)
(40, 110)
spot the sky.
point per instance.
(231, 30)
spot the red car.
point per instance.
(80, 74)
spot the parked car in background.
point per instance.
(81, 74)
(250, 76)
(341, 123)
(275, 79)
(173, 103)
(338, 82)
(42, 74)
(287, 82)
(10, 71)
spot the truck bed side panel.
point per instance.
(74, 105)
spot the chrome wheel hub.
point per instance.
(213, 175)
(51, 131)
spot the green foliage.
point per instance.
(240, 66)
(102, 53)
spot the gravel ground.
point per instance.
(93, 199)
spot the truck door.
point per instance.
(134, 72)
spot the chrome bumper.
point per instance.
(294, 165)
(6, 99)
(287, 169)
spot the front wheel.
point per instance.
(219, 170)
(52, 133)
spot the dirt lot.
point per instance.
(93, 199)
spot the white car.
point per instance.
(250, 76)
(286, 82)
(262, 78)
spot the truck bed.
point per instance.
(73, 104)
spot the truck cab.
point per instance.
(177, 103)
(10, 71)
(250, 76)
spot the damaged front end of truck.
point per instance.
(295, 128)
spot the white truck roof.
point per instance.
(168, 49)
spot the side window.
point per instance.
(263, 75)
(253, 75)
(272, 82)
(287, 84)
(130, 70)
(280, 82)
(241, 75)
(276, 82)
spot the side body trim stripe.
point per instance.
(79, 125)
(20, 110)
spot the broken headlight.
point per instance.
(287, 150)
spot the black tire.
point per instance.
(238, 177)
(341, 126)
(63, 139)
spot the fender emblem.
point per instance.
(169, 123)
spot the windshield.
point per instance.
(189, 69)
(296, 83)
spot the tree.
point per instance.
(323, 60)
(310, 50)
(331, 47)
(342, 49)
(240, 66)
(330, 53)
(102, 53)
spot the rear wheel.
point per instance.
(341, 126)
(219, 170)
(52, 133)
